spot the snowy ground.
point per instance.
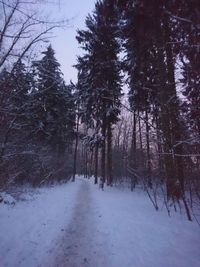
(78, 225)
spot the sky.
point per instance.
(64, 42)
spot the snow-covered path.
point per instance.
(79, 245)
(78, 225)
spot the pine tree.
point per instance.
(53, 107)
(188, 39)
(138, 64)
(16, 143)
(100, 72)
(150, 64)
(21, 81)
(5, 116)
(16, 101)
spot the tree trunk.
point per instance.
(133, 153)
(140, 131)
(86, 162)
(109, 155)
(103, 153)
(159, 146)
(96, 164)
(149, 182)
(164, 114)
(173, 107)
(75, 151)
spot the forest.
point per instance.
(131, 119)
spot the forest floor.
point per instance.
(78, 225)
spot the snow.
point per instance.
(7, 198)
(77, 224)
(141, 237)
(29, 229)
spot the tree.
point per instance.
(101, 73)
(187, 19)
(6, 119)
(150, 59)
(139, 60)
(150, 34)
(53, 104)
(22, 27)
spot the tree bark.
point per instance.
(133, 152)
(140, 131)
(75, 151)
(149, 182)
(164, 114)
(173, 107)
(109, 155)
(96, 163)
(103, 153)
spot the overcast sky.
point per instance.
(65, 43)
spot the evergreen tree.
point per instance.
(139, 64)
(16, 103)
(5, 116)
(100, 72)
(53, 107)
(21, 81)
(188, 49)
(16, 145)
(150, 64)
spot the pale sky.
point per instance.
(65, 43)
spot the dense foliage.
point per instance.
(37, 122)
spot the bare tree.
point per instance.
(22, 27)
